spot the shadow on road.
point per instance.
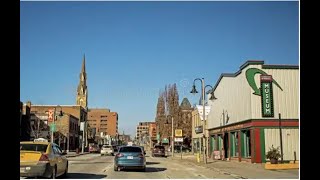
(85, 176)
(148, 163)
(153, 169)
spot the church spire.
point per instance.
(83, 69)
(82, 91)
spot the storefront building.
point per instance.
(244, 121)
(197, 132)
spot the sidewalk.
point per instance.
(239, 170)
(74, 154)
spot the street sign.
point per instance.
(178, 139)
(53, 127)
(51, 115)
(178, 132)
(158, 136)
(81, 126)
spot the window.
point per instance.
(246, 144)
(34, 147)
(56, 149)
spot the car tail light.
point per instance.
(44, 158)
(141, 156)
(119, 155)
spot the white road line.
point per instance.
(107, 168)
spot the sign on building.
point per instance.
(178, 132)
(178, 139)
(200, 110)
(266, 95)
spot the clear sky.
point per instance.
(133, 49)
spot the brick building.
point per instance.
(142, 131)
(103, 121)
(66, 123)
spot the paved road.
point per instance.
(93, 166)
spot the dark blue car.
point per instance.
(130, 157)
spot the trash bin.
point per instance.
(77, 150)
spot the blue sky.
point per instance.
(133, 49)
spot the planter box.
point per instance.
(268, 165)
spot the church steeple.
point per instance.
(83, 69)
(82, 91)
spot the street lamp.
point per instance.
(194, 91)
(172, 140)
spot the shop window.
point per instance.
(246, 144)
(235, 144)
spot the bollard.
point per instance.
(198, 157)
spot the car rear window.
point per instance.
(159, 147)
(34, 147)
(130, 149)
(106, 146)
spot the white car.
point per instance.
(107, 150)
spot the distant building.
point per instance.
(153, 133)
(104, 122)
(142, 131)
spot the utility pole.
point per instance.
(82, 149)
(281, 147)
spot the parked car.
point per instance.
(107, 150)
(130, 157)
(94, 148)
(158, 150)
(40, 158)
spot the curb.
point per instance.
(75, 155)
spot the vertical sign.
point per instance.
(51, 115)
(266, 96)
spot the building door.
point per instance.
(226, 145)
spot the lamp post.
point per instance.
(172, 136)
(194, 91)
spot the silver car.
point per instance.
(107, 150)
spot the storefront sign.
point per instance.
(266, 96)
(199, 129)
(165, 140)
(178, 132)
(216, 155)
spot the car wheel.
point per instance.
(65, 172)
(143, 169)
